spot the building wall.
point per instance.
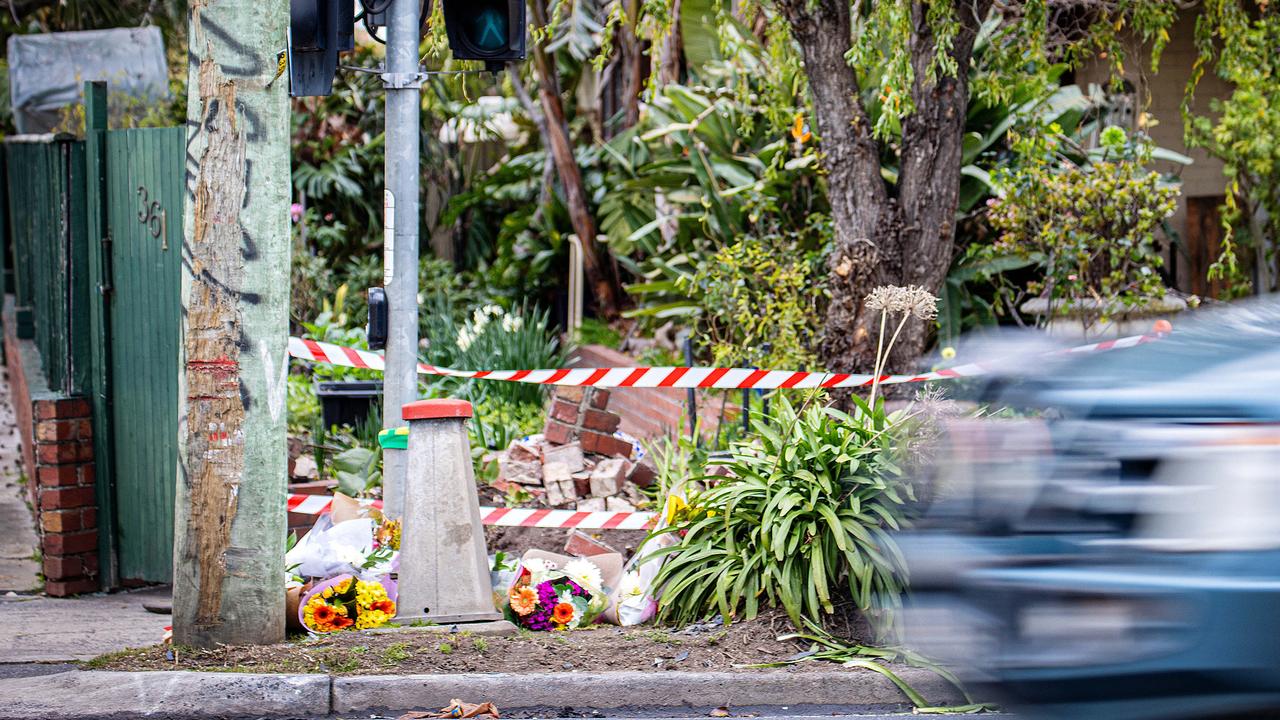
(1159, 95)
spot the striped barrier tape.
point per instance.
(513, 517)
(668, 377)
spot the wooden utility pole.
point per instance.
(228, 579)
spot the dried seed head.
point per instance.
(922, 303)
(879, 299)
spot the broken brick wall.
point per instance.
(56, 434)
(653, 413)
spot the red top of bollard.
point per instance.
(436, 409)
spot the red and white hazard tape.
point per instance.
(512, 517)
(667, 377)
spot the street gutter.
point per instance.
(94, 694)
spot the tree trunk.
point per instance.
(672, 47)
(863, 213)
(632, 65)
(556, 138)
(932, 153)
(879, 238)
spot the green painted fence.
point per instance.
(96, 230)
(144, 192)
(51, 281)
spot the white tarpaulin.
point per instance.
(47, 72)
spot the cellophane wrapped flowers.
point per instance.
(547, 597)
(346, 603)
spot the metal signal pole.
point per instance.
(403, 83)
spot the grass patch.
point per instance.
(111, 658)
(396, 653)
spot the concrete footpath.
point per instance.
(41, 629)
(81, 695)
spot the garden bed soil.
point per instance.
(701, 647)
(515, 540)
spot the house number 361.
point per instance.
(153, 217)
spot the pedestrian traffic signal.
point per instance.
(488, 30)
(318, 31)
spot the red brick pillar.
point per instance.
(65, 501)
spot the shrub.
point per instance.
(800, 522)
(759, 305)
(1091, 228)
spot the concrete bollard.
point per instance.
(444, 569)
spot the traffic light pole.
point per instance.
(403, 82)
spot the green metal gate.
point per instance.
(145, 186)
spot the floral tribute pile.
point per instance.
(341, 572)
(546, 596)
(347, 603)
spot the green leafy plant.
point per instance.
(1237, 41)
(1091, 228)
(759, 305)
(358, 470)
(335, 325)
(801, 521)
(491, 338)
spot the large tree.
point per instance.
(890, 81)
(885, 237)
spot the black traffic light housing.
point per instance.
(318, 31)
(488, 30)
(376, 330)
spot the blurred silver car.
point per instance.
(1112, 549)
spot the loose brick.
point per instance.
(66, 498)
(70, 543)
(570, 393)
(60, 567)
(71, 587)
(617, 504)
(564, 412)
(56, 475)
(580, 544)
(60, 521)
(524, 473)
(599, 399)
(558, 433)
(643, 474)
(554, 473)
(521, 451)
(570, 454)
(582, 485)
(608, 477)
(601, 420)
(601, 444)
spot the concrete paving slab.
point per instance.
(603, 691)
(43, 629)
(80, 695)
